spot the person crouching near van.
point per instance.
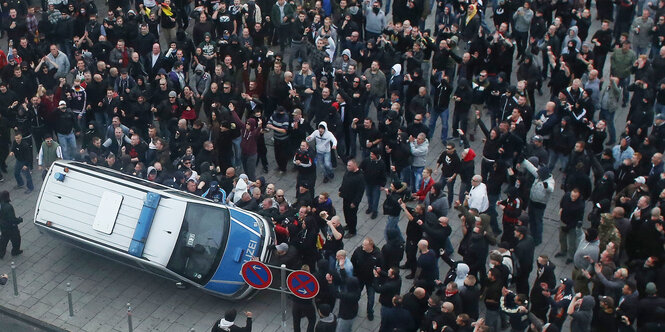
(227, 323)
(48, 153)
(9, 226)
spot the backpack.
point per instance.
(514, 268)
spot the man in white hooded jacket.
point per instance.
(325, 141)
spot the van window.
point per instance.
(201, 242)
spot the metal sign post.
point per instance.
(282, 270)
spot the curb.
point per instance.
(30, 320)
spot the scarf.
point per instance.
(471, 13)
(450, 293)
(167, 10)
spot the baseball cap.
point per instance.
(538, 138)
(62, 102)
(640, 180)
(172, 94)
(660, 116)
(296, 111)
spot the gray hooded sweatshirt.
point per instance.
(581, 318)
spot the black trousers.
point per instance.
(10, 234)
(303, 309)
(522, 282)
(411, 251)
(351, 216)
(282, 153)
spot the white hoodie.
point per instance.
(322, 141)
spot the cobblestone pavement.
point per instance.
(102, 288)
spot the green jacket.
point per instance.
(621, 62)
(289, 12)
(8, 216)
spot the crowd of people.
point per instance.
(191, 94)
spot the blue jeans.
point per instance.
(387, 7)
(237, 151)
(323, 159)
(405, 175)
(609, 119)
(393, 223)
(102, 120)
(344, 325)
(68, 144)
(536, 212)
(623, 84)
(451, 187)
(417, 177)
(554, 157)
(659, 109)
(373, 195)
(491, 211)
(436, 113)
(18, 169)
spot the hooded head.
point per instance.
(609, 175)
(462, 272)
(588, 302)
(470, 154)
(347, 52)
(397, 68)
(323, 125)
(543, 173)
(392, 235)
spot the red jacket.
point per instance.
(424, 189)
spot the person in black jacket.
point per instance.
(572, 214)
(449, 166)
(544, 281)
(393, 250)
(351, 192)
(492, 295)
(442, 91)
(22, 150)
(524, 250)
(65, 127)
(304, 238)
(9, 226)
(387, 284)
(365, 260)
(348, 293)
(463, 101)
(374, 169)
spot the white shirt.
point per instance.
(478, 198)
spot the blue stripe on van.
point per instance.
(144, 223)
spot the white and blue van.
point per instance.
(151, 227)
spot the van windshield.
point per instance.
(201, 242)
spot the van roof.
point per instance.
(72, 206)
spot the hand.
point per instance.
(329, 278)
(460, 131)
(477, 114)
(248, 314)
(353, 206)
